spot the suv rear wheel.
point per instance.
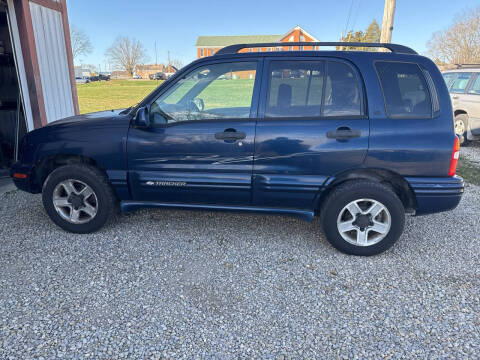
(362, 218)
(78, 198)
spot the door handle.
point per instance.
(455, 97)
(343, 133)
(230, 135)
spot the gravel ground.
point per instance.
(472, 152)
(183, 284)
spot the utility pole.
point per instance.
(168, 57)
(156, 63)
(387, 23)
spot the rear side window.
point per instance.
(342, 92)
(461, 82)
(312, 89)
(405, 90)
(475, 87)
(296, 88)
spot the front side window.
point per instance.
(216, 91)
(460, 83)
(404, 89)
(312, 89)
(449, 78)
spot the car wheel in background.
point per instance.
(461, 126)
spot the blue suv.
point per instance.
(359, 137)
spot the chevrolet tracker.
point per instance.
(360, 138)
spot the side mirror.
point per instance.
(142, 117)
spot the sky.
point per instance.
(175, 25)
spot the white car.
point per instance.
(464, 87)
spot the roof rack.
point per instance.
(394, 48)
(459, 66)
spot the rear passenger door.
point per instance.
(312, 125)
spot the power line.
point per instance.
(348, 16)
(356, 14)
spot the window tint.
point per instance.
(461, 82)
(405, 89)
(216, 91)
(295, 88)
(449, 78)
(342, 93)
(303, 89)
(475, 86)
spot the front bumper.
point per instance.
(26, 184)
(436, 194)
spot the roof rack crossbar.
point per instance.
(394, 48)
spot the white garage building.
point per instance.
(37, 79)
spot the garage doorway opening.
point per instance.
(12, 116)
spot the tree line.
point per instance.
(370, 35)
(124, 54)
(458, 43)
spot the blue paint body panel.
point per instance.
(282, 166)
(128, 206)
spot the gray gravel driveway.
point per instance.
(182, 284)
(472, 152)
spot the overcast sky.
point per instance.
(175, 25)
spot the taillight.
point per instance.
(455, 156)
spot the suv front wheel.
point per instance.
(78, 198)
(362, 218)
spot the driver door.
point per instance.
(199, 147)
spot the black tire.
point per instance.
(96, 180)
(350, 191)
(462, 118)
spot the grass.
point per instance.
(468, 170)
(228, 93)
(117, 94)
(114, 94)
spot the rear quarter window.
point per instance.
(405, 90)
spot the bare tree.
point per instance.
(460, 43)
(81, 44)
(176, 63)
(126, 54)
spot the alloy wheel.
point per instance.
(75, 201)
(364, 222)
(459, 127)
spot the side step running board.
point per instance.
(127, 206)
